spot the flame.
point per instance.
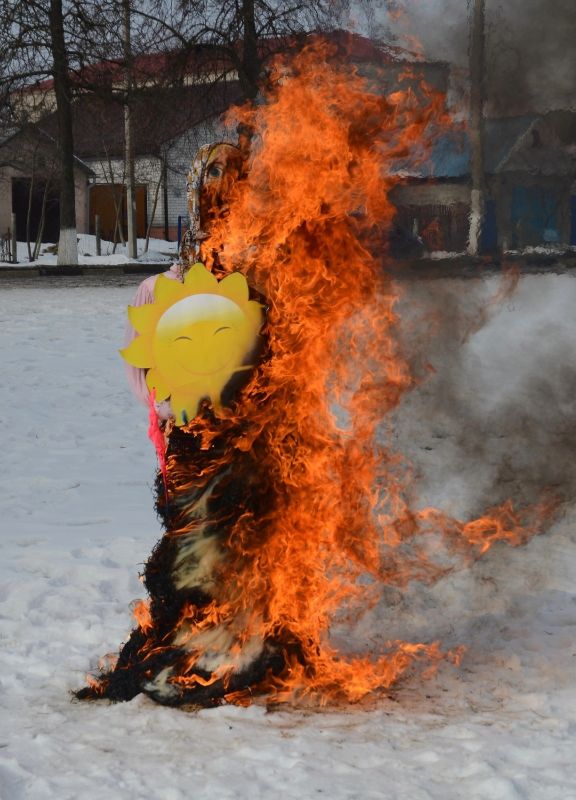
(141, 613)
(306, 227)
(432, 235)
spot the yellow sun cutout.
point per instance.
(194, 337)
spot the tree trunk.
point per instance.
(42, 222)
(29, 209)
(67, 246)
(128, 139)
(117, 199)
(249, 72)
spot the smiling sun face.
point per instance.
(194, 337)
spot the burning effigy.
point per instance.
(272, 364)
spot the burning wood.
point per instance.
(282, 506)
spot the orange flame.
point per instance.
(432, 235)
(141, 613)
(306, 228)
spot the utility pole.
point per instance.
(477, 97)
(128, 140)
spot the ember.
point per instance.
(284, 507)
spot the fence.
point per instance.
(8, 244)
(91, 248)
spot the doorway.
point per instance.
(108, 200)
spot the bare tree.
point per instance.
(120, 49)
(245, 33)
(46, 40)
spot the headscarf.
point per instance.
(195, 235)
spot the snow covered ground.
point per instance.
(158, 251)
(497, 418)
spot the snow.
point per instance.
(440, 255)
(76, 470)
(545, 250)
(159, 250)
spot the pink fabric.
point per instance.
(156, 436)
(136, 376)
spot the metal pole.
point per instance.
(14, 240)
(165, 196)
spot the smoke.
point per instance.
(531, 58)
(492, 418)
(530, 53)
(497, 385)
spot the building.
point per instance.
(169, 125)
(530, 164)
(170, 122)
(29, 185)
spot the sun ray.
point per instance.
(167, 291)
(181, 402)
(234, 286)
(253, 312)
(143, 318)
(139, 352)
(154, 380)
(201, 281)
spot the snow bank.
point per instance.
(158, 251)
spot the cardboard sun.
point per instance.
(194, 337)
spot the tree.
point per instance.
(67, 245)
(192, 42)
(59, 42)
(119, 48)
(39, 41)
(246, 33)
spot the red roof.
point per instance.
(207, 58)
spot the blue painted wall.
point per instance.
(534, 216)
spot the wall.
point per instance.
(6, 175)
(437, 213)
(532, 210)
(429, 193)
(147, 173)
(180, 153)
